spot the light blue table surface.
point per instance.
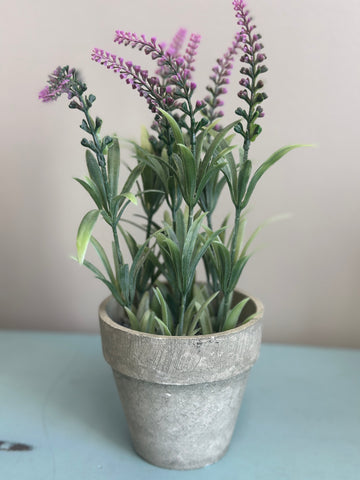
(300, 418)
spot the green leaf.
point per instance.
(179, 139)
(164, 308)
(101, 277)
(199, 313)
(84, 233)
(223, 263)
(134, 323)
(236, 272)
(200, 253)
(189, 168)
(172, 258)
(230, 173)
(144, 305)
(95, 175)
(92, 189)
(103, 257)
(147, 322)
(163, 328)
(189, 246)
(130, 242)
(180, 228)
(213, 146)
(233, 315)
(200, 140)
(264, 167)
(144, 140)
(137, 264)
(130, 196)
(113, 165)
(205, 179)
(240, 237)
(244, 175)
(135, 172)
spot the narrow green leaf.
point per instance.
(101, 277)
(189, 166)
(213, 146)
(164, 308)
(199, 313)
(95, 175)
(180, 229)
(103, 257)
(200, 253)
(244, 175)
(163, 328)
(205, 179)
(147, 322)
(234, 314)
(134, 322)
(130, 242)
(240, 237)
(264, 167)
(270, 220)
(190, 243)
(138, 262)
(135, 172)
(84, 233)
(130, 196)
(144, 140)
(113, 165)
(179, 139)
(236, 272)
(92, 189)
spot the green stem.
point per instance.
(227, 305)
(235, 234)
(148, 228)
(190, 218)
(102, 164)
(182, 314)
(117, 244)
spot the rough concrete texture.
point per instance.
(181, 395)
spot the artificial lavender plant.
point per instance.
(182, 166)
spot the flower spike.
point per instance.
(59, 82)
(220, 77)
(174, 52)
(253, 67)
(191, 51)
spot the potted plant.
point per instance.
(180, 349)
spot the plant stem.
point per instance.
(235, 234)
(182, 314)
(148, 228)
(102, 164)
(227, 304)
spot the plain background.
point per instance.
(305, 270)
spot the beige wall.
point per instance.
(306, 270)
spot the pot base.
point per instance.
(181, 426)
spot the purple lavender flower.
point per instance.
(177, 43)
(252, 68)
(59, 82)
(190, 53)
(157, 94)
(220, 77)
(138, 78)
(173, 51)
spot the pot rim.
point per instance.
(105, 317)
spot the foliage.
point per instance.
(184, 165)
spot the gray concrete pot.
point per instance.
(181, 395)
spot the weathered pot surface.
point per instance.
(181, 395)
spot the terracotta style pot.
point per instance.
(181, 395)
